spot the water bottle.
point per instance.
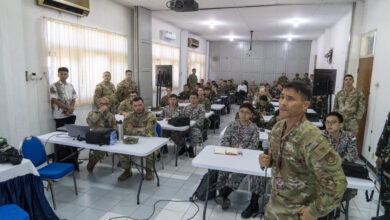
(120, 130)
(265, 146)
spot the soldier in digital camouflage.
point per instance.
(264, 106)
(383, 161)
(351, 104)
(257, 117)
(241, 133)
(192, 79)
(101, 118)
(105, 89)
(307, 179)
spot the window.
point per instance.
(197, 61)
(87, 52)
(166, 55)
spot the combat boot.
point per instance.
(253, 207)
(386, 216)
(125, 175)
(149, 175)
(91, 164)
(191, 152)
(182, 150)
(222, 198)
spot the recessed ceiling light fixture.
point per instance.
(212, 25)
(296, 23)
(231, 37)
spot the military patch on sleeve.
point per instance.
(353, 138)
(330, 158)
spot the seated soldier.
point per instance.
(126, 105)
(264, 106)
(214, 92)
(257, 117)
(195, 112)
(173, 111)
(241, 133)
(139, 122)
(207, 94)
(185, 94)
(101, 118)
(164, 100)
(277, 91)
(273, 120)
(207, 108)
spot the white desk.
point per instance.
(9, 171)
(209, 114)
(184, 104)
(267, 118)
(217, 107)
(157, 112)
(165, 126)
(119, 117)
(144, 147)
(275, 104)
(311, 111)
(248, 164)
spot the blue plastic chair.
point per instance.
(33, 149)
(158, 130)
(14, 212)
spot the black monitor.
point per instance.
(164, 75)
(324, 81)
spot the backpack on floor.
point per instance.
(200, 192)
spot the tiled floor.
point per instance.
(102, 197)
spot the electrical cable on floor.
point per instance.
(154, 210)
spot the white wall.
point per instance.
(268, 60)
(27, 104)
(376, 16)
(336, 37)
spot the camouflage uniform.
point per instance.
(276, 94)
(268, 108)
(310, 175)
(271, 123)
(177, 136)
(124, 88)
(257, 119)
(185, 95)
(196, 114)
(283, 80)
(383, 151)
(346, 146)
(206, 104)
(320, 107)
(252, 89)
(164, 101)
(105, 89)
(307, 81)
(125, 106)
(246, 137)
(193, 79)
(97, 119)
(269, 96)
(147, 122)
(351, 108)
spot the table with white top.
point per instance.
(157, 112)
(217, 108)
(9, 171)
(248, 163)
(144, 147)
(275, 104)
(184, 104)
(311, 111)
(267, 118)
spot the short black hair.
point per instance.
(225, 81)
(338, 115)
(300, 87)
(229, 80)
(207, 88)
(127, 71)
(173, 96)
(136, 99)
(133, 91)
(264, 98)
(194, 93)
(63, 69)
(198, 84)
(348, 75)
(248, 106)
(181, 97)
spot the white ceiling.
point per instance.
(268, 23)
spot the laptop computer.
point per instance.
(76, 131)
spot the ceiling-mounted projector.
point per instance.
(183, 5)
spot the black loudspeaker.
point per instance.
(164, 75)
(324, 82)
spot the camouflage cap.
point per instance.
(130, 140)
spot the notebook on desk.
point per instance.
(226, 150)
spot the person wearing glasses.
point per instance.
(241, 133)
(307, 179)
(101, 118)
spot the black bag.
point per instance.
(9, 154)
(215, 122)
(200, 192)
(179, 121)
(355, 170)
(99, 136)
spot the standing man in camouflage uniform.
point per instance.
(383, 161)
(264, 106)
(257, 117)
(63, 98)
(196, 113)
(126, 105)
(164, 100)
(125, 87)
(307, 179)
(138, 123)
(283, 79)
(241, 133)
(192, 79)
(351, 104)
(101, 118)
(105, 89)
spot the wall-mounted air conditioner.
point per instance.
(76, 7)
(193, 43)
(167, 35)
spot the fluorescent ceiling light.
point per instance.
(296, 23)
(212, 25)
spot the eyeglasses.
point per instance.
(330, 122)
